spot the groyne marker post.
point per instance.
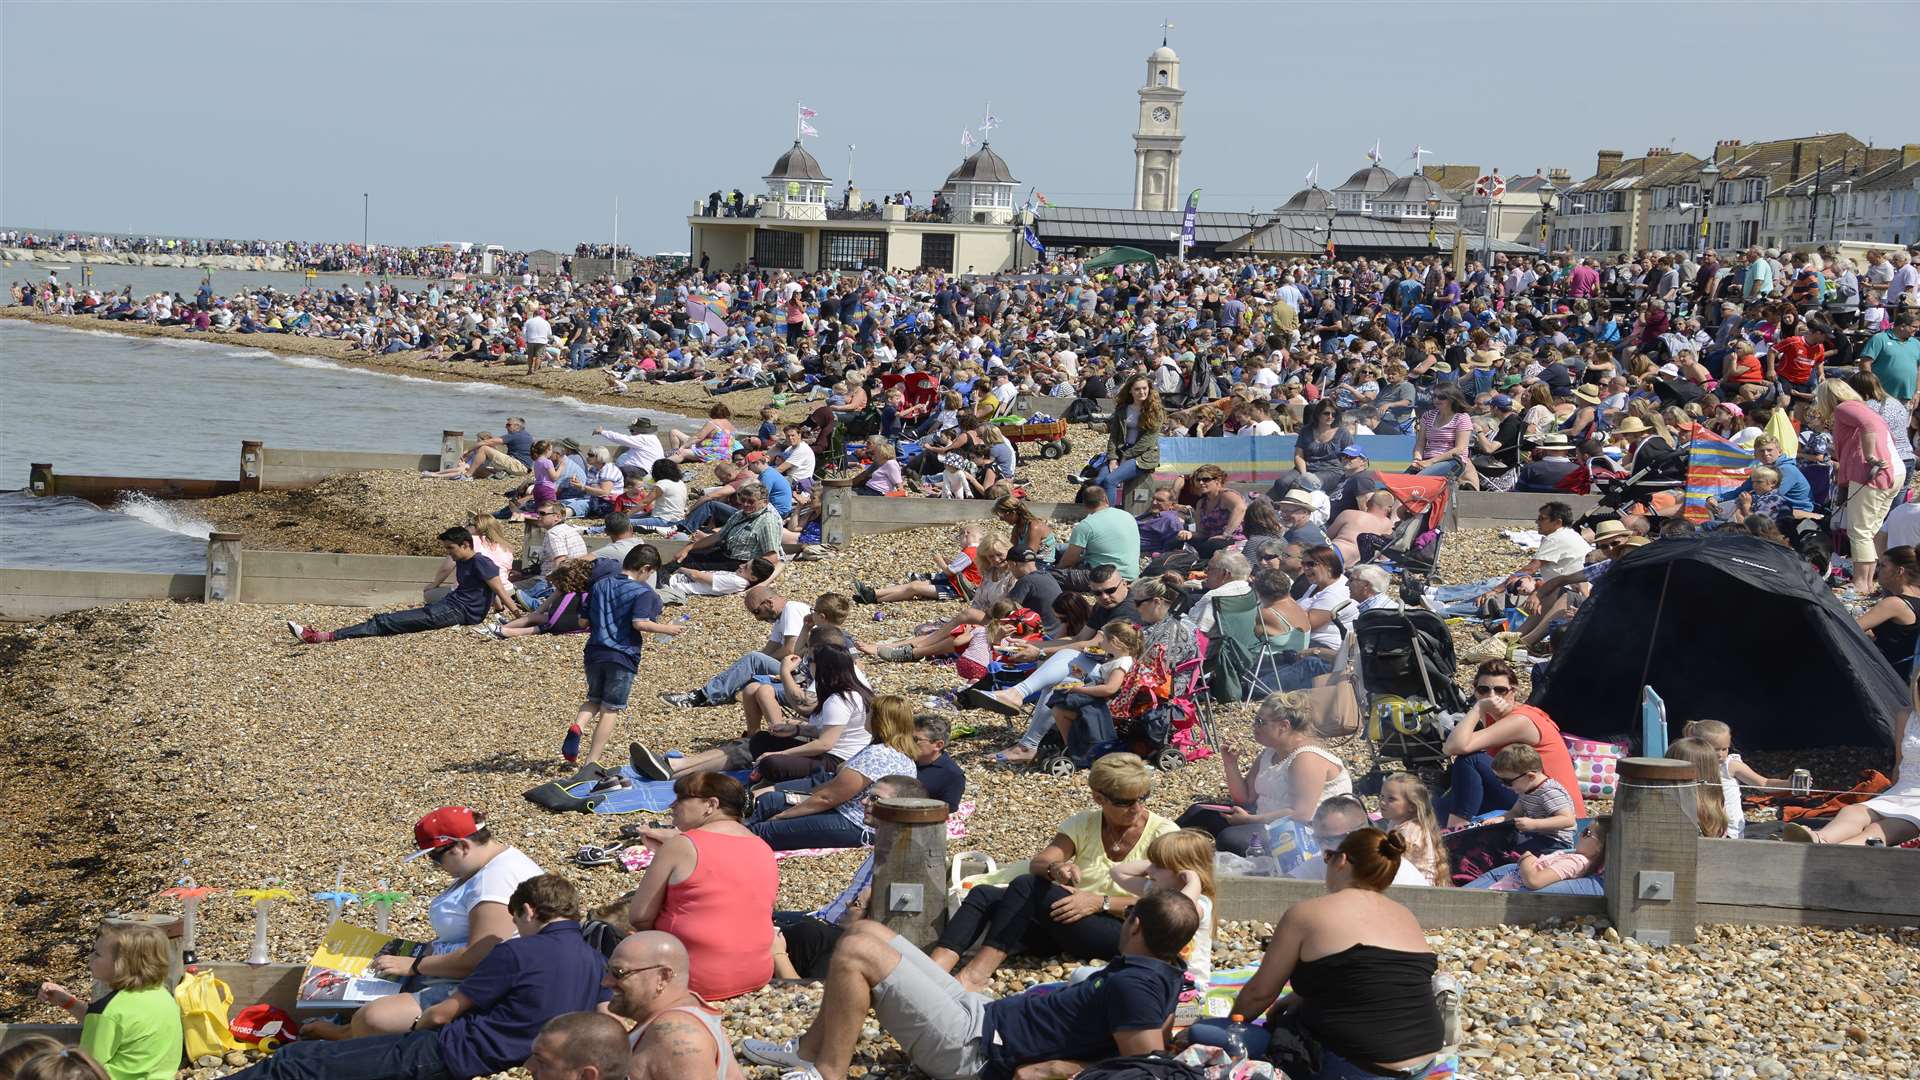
(250, 454)
(40, 479)
(452, 446)
(223, 568)
(1653, 851)
(837, 501)
(910, 868)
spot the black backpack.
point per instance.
(1141, 1067)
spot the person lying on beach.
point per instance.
(478, 586)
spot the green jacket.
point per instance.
(1143, 451)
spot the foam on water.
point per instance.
(163, 515)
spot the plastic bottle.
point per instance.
(1257, 843)
(1233, 1039)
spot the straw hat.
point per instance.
(1632, 425)
(1588, 393)
(1610, 530)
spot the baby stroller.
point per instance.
(1166, 731)
(1406, 669)
(1414, 545)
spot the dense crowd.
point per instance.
(1098, 635)
(385, 260)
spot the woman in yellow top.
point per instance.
(1067, 902)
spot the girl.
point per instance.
(669, 497)
(1575, 870)
(835, 731)
(961, 578)
(1407, 808)
(1734, 772)
(1181, 861)
(562, 611)
(971, 644)
(1709, 809)
(134, 1030)
(1080, 711)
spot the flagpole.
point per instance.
(616, 238)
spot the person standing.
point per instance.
(1895, 356)
(478, 585)
(622, 609)
(537, 333)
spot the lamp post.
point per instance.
(1433, 235)
(1709, 178)
(1813, 200)
(1841, 191)
(1548, 200)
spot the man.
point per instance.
(1895, 356)
(642, 443)
(677, 1036)
(477, 586)
(1227, 573)
(1034, 588)
(580, 1046)
(537, 332)
(1562, 549)
(516, 442)
(750, 531)
(491, 1022)
(1107, 536)
(622, 609)
(783, 640)
(1903, 288)
(1357, 480)
(941, 775)
(1373, 517)
(562, 541)
(1552, 463)
(620, 539)
(949, 1032)
(1295, 510)
(686, 583)
(1162, 528)
(1758, 282)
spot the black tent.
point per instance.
(1743, 632)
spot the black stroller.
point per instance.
(1406, 670)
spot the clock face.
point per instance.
(1162, 113)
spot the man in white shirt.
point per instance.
(563, 541)
(642, 444)
(537, 332)
(1562, 550)
(1336, 818)
(1227, 574)
(787, 616)
(1902, 528)
(797, 461)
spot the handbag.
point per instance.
(1332, 705)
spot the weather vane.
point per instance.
(1166, 27)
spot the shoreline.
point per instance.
(687, 399)
(230, 263)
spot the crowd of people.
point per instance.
(1552, 375)
(438, 260)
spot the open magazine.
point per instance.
(338, 973)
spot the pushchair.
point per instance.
(1166, 734)
(1406, 672)
(1413, 547)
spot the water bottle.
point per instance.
(1233, 1038)
(1257, 843)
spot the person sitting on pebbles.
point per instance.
(478, 586)
(962, 576)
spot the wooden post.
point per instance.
(533, 538)
(223, 568)
(250, 465)
(837, 501)
(910, 867)
(453, 446)
(40, 479)
(1653, 851)
(171, 925)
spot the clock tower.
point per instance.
(1156, 143)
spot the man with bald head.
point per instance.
(787, 617)
(677, 1036)
(580, 1046)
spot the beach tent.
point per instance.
(1119, 256)
(1743, 632)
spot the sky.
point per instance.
(522, 123)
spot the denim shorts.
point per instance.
(432, 991)
(609, 684)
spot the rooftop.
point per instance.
(796, 164)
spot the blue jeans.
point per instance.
(1446, 467)
(1114, 477)
(657, 523)
(1591, 885)
(1052, 672)
(412, 1056)
(708, 513)
(437, 615)
(533, 591)
(1473, 789)
(827, 829)
(1300, 674)
(727, 685)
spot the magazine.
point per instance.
(339, 972)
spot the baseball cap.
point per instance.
(1021, 553)
(1351, 451)
(443, 828)
(1502, 401)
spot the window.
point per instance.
(1723, 234)
(853, 250)
(1749, 233)
(1723, 192)
(778, 249)
(936, 251)
(1756, 190)
(1690, 193)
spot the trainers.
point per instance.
(647, 764)
(307, 634)
(898, 654)
(804, 1072)
(691, 699)
(811, 552)
(1446, 996)
(570, 746)
(779, 1055)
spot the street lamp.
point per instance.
(1548, 194)
(1433, 208)
(1840, 192)
(1709, 179)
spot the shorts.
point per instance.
(535, 351)
(937, 1022)
(945, 589)
(1866, 511)
(609, 684)
(433, 991)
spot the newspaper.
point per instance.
(339, 971)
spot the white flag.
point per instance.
(1373, 155)
(966, 137)
(807, 114)
(1313, 177)
(808, 129)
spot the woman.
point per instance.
(711, 884)
(1495, 720)
(883, 476)
(562, 610)
(1218, 512)
(1032, 533)
(669, 498)
(1894, 622)
(836, 730)
(834, 813)
(1328, 604)
(1888, 408)
(1281, 627)
(936, 638)
(1441, 438)
(1361, 973)
(1539, 416)
(1289, 778)
(1005, 462)
(469, 918)
(1133, 437)
(1891, 817)
(1166, 639)
(1316, 451)
(965, 434)
(713, 442)
(1864, 460)
(1066, 901)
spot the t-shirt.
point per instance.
(801, 458)
(787, 624)
(873, 762)
(615, 602)
(1563, 865)
(1895, 362)
(1134, 993)
(519, 446)
(1109, 537)
(1037, 591)
(1090, 853)
(1902, 527)
(520, 985)
(492, 883)
(944, 780)
(724, 584)
(470, 592)
(134, 1034)
(849, 713)
(1337, 599)
(1547, 800)
(1730, 799)
(1562, 552)
(779, 492)
(671, 503)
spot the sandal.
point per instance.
(1795, 833)
(972, 698)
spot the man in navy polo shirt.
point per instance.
(950, 1032)
(490, 1022)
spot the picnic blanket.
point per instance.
(640, 857)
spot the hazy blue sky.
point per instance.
(519, 123)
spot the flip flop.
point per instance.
(1795, 833)
(972, 698)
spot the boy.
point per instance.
(622, 609)
(477, 586)
(768, 434)
(1543, 814)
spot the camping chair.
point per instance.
(1232, 664)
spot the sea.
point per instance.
(93, 402)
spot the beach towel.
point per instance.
(645, 796)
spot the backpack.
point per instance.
(204, 1001)
(1156, 1066)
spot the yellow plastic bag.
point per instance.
(204, 1004)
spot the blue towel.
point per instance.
(645, 796)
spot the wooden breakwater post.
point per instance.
(453, 446)
(910, 868)
(223, 568)
(1653, 851)
(252, 451)
(836, 511)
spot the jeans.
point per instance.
(1055, 670)
(727, 685)
(1230, 838)
(658, 523)
(412, 1056)
(708, 513)
(1445, 467)
(533, 591)
(435, 616)
(1300, 674)
(1092, 725)
(1472, 789)
(1018, 919)
(827, 829)
(1447, 594)
(1590, 885)
(1114, 477)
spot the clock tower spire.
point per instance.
(1156, 142)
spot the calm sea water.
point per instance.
(93, 402)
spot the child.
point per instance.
(1710, 811)
(971, 644)
(1080, 710)
(1734, 773)
(961, 578)
(1580, 866)
(1181, 861)
(622, 609)
(1543, 815)
(768, 434)
(134, 1030)
(1407, 809)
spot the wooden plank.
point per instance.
(871, 515)
(322, 592)
(1266, 899)
(1750, 915)
(344, 460)
(106, 490)
(323, 565)
(1810, 877)
(33, 595)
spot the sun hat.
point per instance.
(642, 426)
(1632, 425)
(1588, 393)
(1298, 497)
(1610, 530)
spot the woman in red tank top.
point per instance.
(1497, 720)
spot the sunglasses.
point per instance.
(620, 974)
(1113, 591)
(1122, 804)
(1483, 689)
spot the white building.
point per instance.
(1156, 142)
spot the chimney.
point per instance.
(1725, 149)
(1605, 163)
(1659, 151)
(1910, 155)
(1798, 154)
(1560, 177)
